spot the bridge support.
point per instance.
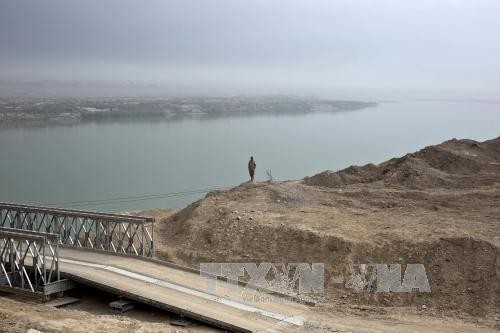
(29, 263)
(98, 231)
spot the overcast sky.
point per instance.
(330, 48)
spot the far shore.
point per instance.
(37, 111)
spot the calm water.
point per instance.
(94, 161)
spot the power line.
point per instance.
(108, 201)
(146, 196)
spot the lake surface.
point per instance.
(95, 161)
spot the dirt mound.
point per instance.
(438, 207)
(454, 163)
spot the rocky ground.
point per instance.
(439, 207)
(91, 314)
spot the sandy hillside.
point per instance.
(439, 206)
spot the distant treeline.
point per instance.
(87, 109)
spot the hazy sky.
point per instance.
(327, 48)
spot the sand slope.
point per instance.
(439, 206)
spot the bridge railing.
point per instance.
(29, 262)
(97, 231)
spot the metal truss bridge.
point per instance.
(46, 251)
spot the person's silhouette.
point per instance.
(251, 168)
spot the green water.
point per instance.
(94, 161)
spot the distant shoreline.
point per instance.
(39, 111)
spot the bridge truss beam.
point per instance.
(29, 263)
(97, 231)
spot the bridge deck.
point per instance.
(182, 291)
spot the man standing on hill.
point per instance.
(251, 168)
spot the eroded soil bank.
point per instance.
(439, 207)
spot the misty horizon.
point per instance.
(342, 49)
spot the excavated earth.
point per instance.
(439, 207)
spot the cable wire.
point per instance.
(108, 201)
